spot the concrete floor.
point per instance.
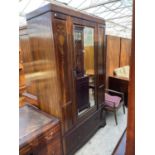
(105, 139)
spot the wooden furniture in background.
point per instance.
(22, 84)
(83, 92)
(32, 99)
(127, 144)
(113, 54)
(30, 95)
(54, 60)
(111, 102)
(118, 52)
(119, 84)
(125, 52)
(38, 136)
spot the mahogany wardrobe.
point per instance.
(68, 59)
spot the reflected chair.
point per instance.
(113, 101)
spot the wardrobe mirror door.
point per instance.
(84, 68)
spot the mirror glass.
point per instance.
(84, 68)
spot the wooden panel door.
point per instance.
(62, 43)
(125, 52)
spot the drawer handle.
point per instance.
(49, 136)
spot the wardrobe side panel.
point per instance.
(44, 63)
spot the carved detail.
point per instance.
(61, 41)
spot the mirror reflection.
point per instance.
(84, 70)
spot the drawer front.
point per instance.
(28, 150)
(123, 88)
(80, 135)
(118, 85)
(53, 147)
(42, 142)
(49, 135)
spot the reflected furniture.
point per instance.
(39, 132)
(26, 57)
(22, 83)
(122, 72)
(118, 54)
(113, 101)
(65, 44)
(82, 92)
(120, 84)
